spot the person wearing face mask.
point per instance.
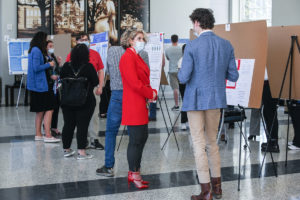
(137, 93)
(54, 73)
(96, 61)
(207, 62)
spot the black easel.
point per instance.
(172, 127)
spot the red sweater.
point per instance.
(136, 88)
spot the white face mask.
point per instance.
(139, 46)
(87, 43)
(51, 51)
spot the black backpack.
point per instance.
(74, 90)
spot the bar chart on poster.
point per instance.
(18, 56)
(154, 48)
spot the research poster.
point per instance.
(155, 49)
(99, 43)
(18, 56)
(238, 93)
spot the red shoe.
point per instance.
(130, 179)
(136, 178)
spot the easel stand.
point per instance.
(19, 93)
(268, 143)
(172, 127)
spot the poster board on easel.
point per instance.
(249, 40)
(278, 51)
(155, 50)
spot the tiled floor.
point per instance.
(34, 170)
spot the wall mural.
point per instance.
(33, 16)
(76, 16)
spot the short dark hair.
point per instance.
(48, 41)
(80, 55)
(174, 38)
(204, 16)
(183, 47)
(81, 35)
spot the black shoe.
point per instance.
(274, 148)
(175, 108)
(104, 171)
(96, 145)
(252, 137)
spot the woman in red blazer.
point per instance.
(137, 93)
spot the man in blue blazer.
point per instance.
(208, 62)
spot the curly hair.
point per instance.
(39, 40)
(80, 55)
(130, 34)
(204, 16)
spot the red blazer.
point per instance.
(136, 88)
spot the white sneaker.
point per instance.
(187, 124)
(39, 138)
(84, 157)
(51, 140)
(293, 147)
(183, 126)
(290, 143)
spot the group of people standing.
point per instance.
(207, 62)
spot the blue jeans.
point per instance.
(152, 108)
(114, 117)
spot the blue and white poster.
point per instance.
(18, 56)
(99, 43)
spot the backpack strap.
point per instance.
(76, 73)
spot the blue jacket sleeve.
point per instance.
(187, 67)
(36, 61)
(232, 72)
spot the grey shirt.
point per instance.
(173, 54)
(114, 55)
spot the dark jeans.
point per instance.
(184, 118)
(56, 111)
(270, 112)
(105, 97)
(79, 118)
(295, 115)
(138, 136)
(114, 117)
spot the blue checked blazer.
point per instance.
(207, 62)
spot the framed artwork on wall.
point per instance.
(135, 14)
(102, 16)
(33, 16)
(69, 16)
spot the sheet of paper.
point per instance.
(99, 43)
(239, 93)
(154, 48)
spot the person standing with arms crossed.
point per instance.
(207, 62)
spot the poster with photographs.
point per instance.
(135, 14)
(102, 16)
(68, 16)
(33, 16)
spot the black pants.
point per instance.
(184, 118)
(79, 118)
(56, 111)
(295, 115)
(270, 112)
(138, 136)
(105, 98)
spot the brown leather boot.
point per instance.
(205, 193)
(216, 187)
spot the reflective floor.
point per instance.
(35, 170)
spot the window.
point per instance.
(251, 10)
